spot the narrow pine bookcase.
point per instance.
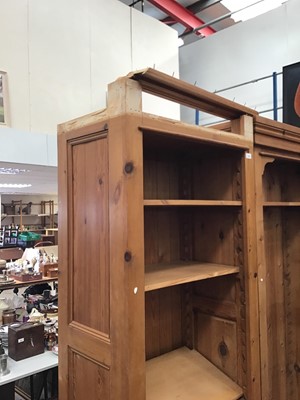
(158, 250)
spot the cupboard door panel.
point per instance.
(101, 262)
(90, 267)
(84, 282)
(90, 379)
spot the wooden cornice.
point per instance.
(171, 88)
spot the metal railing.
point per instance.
(275, 108)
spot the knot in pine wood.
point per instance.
(129, 167)
(127, 256)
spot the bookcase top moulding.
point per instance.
(171, 88)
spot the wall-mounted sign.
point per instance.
(291, 94)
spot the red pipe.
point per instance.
(182, 15)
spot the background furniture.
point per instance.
(18, 210)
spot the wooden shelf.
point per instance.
(185, 374)
(160, 276)
(24, 215)
(168, 202)
(16, 283)
(281, 203)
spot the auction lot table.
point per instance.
(24, 368)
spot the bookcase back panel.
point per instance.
(163, 315)
(215, 235)
(203, 234)
(282, 237)
(179, 169)
(221, 289)
(162, 237)
(292, 301)
(281, 181)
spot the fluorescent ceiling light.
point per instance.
(15, 185)
(247, 9)
(12, 171)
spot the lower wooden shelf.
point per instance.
(161, 275)
(185, 374)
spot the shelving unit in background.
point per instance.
(20, 213)
(18, 216)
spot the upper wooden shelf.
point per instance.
(167, 202)
(160, 276)
(186, 374)
(281, 203)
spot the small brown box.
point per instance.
(27, 277)
(44, 268)
(25, 340)
(52, 272)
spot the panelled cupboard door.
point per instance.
(101, 348)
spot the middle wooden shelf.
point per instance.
(164, 275)
(169, 202)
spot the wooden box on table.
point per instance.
(25, 340)
(26, 277)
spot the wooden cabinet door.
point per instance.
(101, 296)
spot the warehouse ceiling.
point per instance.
(197, 19)
(192, 19)
(186, 15)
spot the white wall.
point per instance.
(60, 55)
(244, 52)
(27, 147)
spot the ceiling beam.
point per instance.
(201, 5)
(195, 8)
(183, 16)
